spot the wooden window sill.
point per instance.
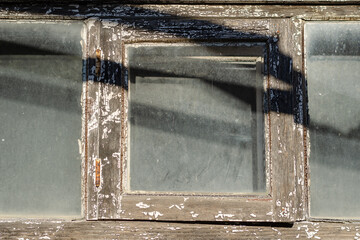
(59, 229)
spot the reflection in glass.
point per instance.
(196, 121)
(333, 71)
(40, 115)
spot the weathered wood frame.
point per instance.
(109, 201)
(340, 10)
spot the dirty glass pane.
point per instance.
(196, 118)
(333, 74)
(40, 116)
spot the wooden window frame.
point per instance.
(97, 201)
(108, 106)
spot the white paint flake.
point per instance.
(142, 205)
(174, 228)
(310, 234)
(193, 214)
(223, 215)
(180, 207)
(154, 214)
(278, 232)
(285, 211)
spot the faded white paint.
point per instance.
(142, 205)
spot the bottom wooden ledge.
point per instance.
(37, 229)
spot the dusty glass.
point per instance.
(40, 115)
(196, 118)
(333, 71)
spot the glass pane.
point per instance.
(333, 71)
(40, 115)
(196, 120)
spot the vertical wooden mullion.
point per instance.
(110, 121)
(284, 144)
(299, 117)
(91, 120)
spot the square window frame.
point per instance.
(285, 202)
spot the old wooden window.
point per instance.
(192, 124)
(333, 70)
(180, 47)
(40, 115)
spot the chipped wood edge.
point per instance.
(92, 115)
(58, 229)
(110, 122)
(85, 11)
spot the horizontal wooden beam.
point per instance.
(180, 11)
(191, 1)
(53, 229)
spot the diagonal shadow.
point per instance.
(292, 102)
(280, 101)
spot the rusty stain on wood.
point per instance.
(93, 32)
(97, 173)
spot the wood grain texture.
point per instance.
(109, 122)
(299, 117)
(106, 102)
(35, 229)
(280, 205)
(92, 116)
(193, 1)
(281, 123)
(195, 208)
(85, 11)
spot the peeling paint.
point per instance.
(45, 237)
(180, 206)
(154, 214)
(223, 215)
(193, 214)
(142, 205)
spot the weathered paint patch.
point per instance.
(193, 214)
(142, 205)
(223, 215)
(154, 214)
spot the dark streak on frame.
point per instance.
(86, 114)
(305, 127)
(267, 114)
(123, 137)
